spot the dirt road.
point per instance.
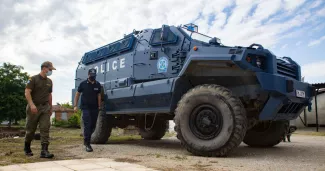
(303, 153)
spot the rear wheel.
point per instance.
(153, 128)
(103, 128)
(265, 134)
(210, 121)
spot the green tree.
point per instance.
(12, 97)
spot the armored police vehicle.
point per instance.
(218, 96)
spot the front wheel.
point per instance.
(210, 121)
(265, 134)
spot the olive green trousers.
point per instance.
(43, 118)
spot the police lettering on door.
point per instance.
(111, 65)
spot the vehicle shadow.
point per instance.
(283, 149)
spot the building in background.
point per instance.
(61, 113)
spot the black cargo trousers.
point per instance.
(89, 118)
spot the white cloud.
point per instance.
(321, 12)
(315, 4)
(298, 43)
(313, 72)
(316, 42)
(263, 10)
(291, 5)
(284, 46)
(62, 31)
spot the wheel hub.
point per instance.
(206, 122)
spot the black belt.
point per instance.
(41, 104)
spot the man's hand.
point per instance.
(33, 109)
(75, 109)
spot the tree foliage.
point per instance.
(12, 97)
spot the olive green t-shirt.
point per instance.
(41, 89)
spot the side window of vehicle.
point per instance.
(163, 36)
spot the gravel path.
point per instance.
(303, 153)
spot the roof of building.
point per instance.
(319, 85)
(59, 108)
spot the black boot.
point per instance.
(45, 153)
(88, 147)
(28, 151)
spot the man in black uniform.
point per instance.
(90, 105)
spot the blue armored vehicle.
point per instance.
(217, 95)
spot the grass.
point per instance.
(311, 133)
(11, 149)
(170, 134)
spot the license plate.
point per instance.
(300, 93)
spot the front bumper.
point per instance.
(287, 97)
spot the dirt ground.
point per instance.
(6, 132)
(305, 152)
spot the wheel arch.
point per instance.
(225, 73)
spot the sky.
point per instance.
(33, 31)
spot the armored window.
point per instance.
(163, 36)
(120, 46)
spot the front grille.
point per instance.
(287, 70)
(291, 108)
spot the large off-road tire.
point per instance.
(158, 130)
(103, 128)
(265, 134)
(210, 121)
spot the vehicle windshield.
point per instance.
(197, 36)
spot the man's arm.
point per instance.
(76, 99)
(30, 101)
(28, 89)
(50, 97)
(99, 97)
(77, 95)
(50, 102)
(29, 96)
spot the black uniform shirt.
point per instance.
(90, 93)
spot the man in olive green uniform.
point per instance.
(38, 93)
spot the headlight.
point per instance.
(256, 60)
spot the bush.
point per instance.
(60, 123)
(74, 121)
(22, 122)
